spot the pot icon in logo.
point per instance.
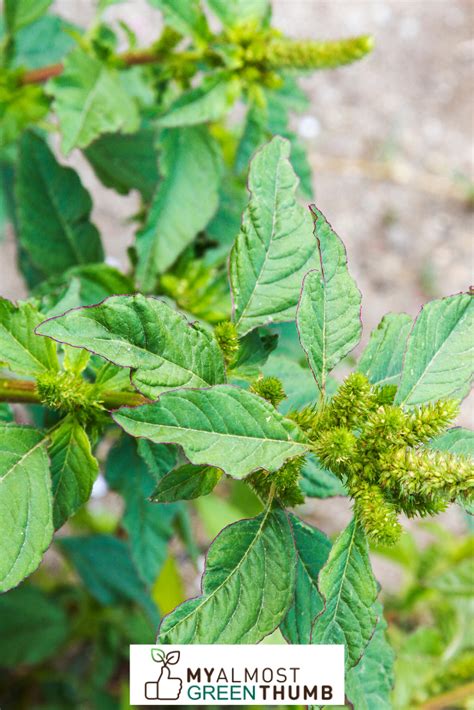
(165, 687)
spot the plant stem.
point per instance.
(24, 391)
(449, 699)
(129, 59)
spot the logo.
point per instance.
(260, 674)
(165, 687)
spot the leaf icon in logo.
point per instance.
(158, 655)
(172, 657)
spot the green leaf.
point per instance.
(149, 526)
(382, 359)
(146, 334)
(96, 282)
(328, 315)
(19, 13)
(20, 349)
(456, 581)
(184, 202)
(45, 41)
(26, 525)
(126, 162)
(370, 683)
(239, 11)
(205, 103)
(104, 565)
(185, 483)
(255, 133)
(51, 201)
(349, 590)
(223, 426)
(457, 441)
(254, 350)
(89, 99)
(73, 469)
(441, 337)
(319, 482)
(246, 587)
(184, 16)
(312, 550)
(20, 107)
(34, 627)
(275, 247)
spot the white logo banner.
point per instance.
(237, 675)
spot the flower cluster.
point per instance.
(379, 451)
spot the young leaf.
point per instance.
(223, 426)
(239, 11)
(185, 483)
(158, 655)
(89, 99)
(184, 202)
(184, 16)
(203, 104)
(20, 349)
(20, 107)
(319, 482)
(19, 13)
(104, 565)
(146, 334)
(370, 683)
(26, 525)
(246, 587)
(275, 247)
(34, 627)
(43, 42)
(328, 314)
(441, 336)
(73, 469)
(349, 590)
(149, 526)
(126, 162)
(312, 550)
(51, 201)
(298, 382)
(382, 359)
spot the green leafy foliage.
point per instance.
(348, 588)
(145, 334)
(246, 586)
(329, 309)
(222, 426)
(207, 383)
(184, 202)
(275, 247)
(89, 99)
(26, 526)
(52, 200)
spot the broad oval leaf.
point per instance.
(222, 426)
(185, 200)
(312, 550)
(439, 355)
(369, 684)
(209, 102)
(103, 562)
(126, 161)
(319, 482)
(73, 469)
(349, 590)
(89, 99)
(328, 315)
(382, 359)
(246, 587)
(275, 247)
(20, 349)
(19, 13)
(185, 483)
(456, 440)
(53, 203)
(144, 333)
(26, 525)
